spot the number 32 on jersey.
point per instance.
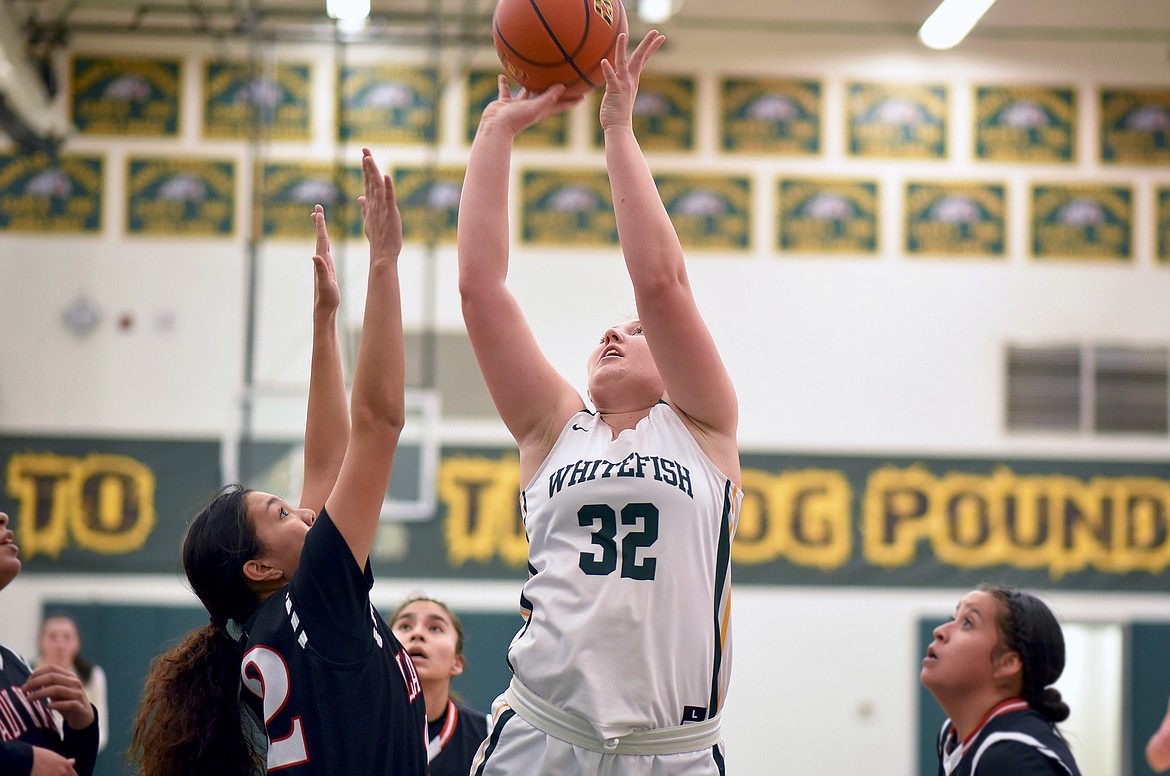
(602, 520)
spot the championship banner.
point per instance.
(104, 505)
(709, 212)
(38, 194)
(387, 104)
(241, 101)
(1082, 222)
(188, 197)
(900, 521)
(955, 219)
(827, 216)
(664, 113)
(897, 121)
(288, 193)
(1135, 126)
(568, 208)
(114, 96)
(1025, 124)
(771, 116)
(428, 200)
(1163, 225)
(550, 132)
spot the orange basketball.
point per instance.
(546, 42)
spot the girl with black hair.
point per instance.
(296, 671)
(991, 668)
(433, 636)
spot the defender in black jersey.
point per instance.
(320, 667)
(1013, 740)
(991, 669)
(45, 718)
(454, 739)
(297, 674)
(433, 636)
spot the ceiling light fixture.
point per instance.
(951, 21)
(656, 11)
(351, 15)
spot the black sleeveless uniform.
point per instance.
(455, 737)
(336, 691)
(1013, 740)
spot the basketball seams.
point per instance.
(566, 57)
(525, 28)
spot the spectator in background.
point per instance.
(50, 726)
(433, 637)
(60, 645)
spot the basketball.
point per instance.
(546, 42)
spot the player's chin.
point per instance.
(9, 569)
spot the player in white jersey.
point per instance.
(622, 663)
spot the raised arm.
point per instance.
(327, 419)
(697, 383)
(533, 400)
(378, 404)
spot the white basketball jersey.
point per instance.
(628, 601)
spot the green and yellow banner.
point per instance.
(242, 101)
(1025, 124)
(122, 506)
(40, 194)
(126, 96)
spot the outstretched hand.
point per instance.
(518, 112)
(326, 294)
(64, 693)
(380, 217)
(622, 77)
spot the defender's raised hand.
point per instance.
(326, 294)
(380, 217)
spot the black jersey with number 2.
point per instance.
(1012, 740)
(337, 692)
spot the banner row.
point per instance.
(199, 197)
(401, 104)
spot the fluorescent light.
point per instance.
(951, 22)
(655, 11)
(351, 15)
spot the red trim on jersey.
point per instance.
(1004, 707)
(436, 744)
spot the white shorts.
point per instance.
(514, 747)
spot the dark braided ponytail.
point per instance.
(1028, 627)
(189, 722)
